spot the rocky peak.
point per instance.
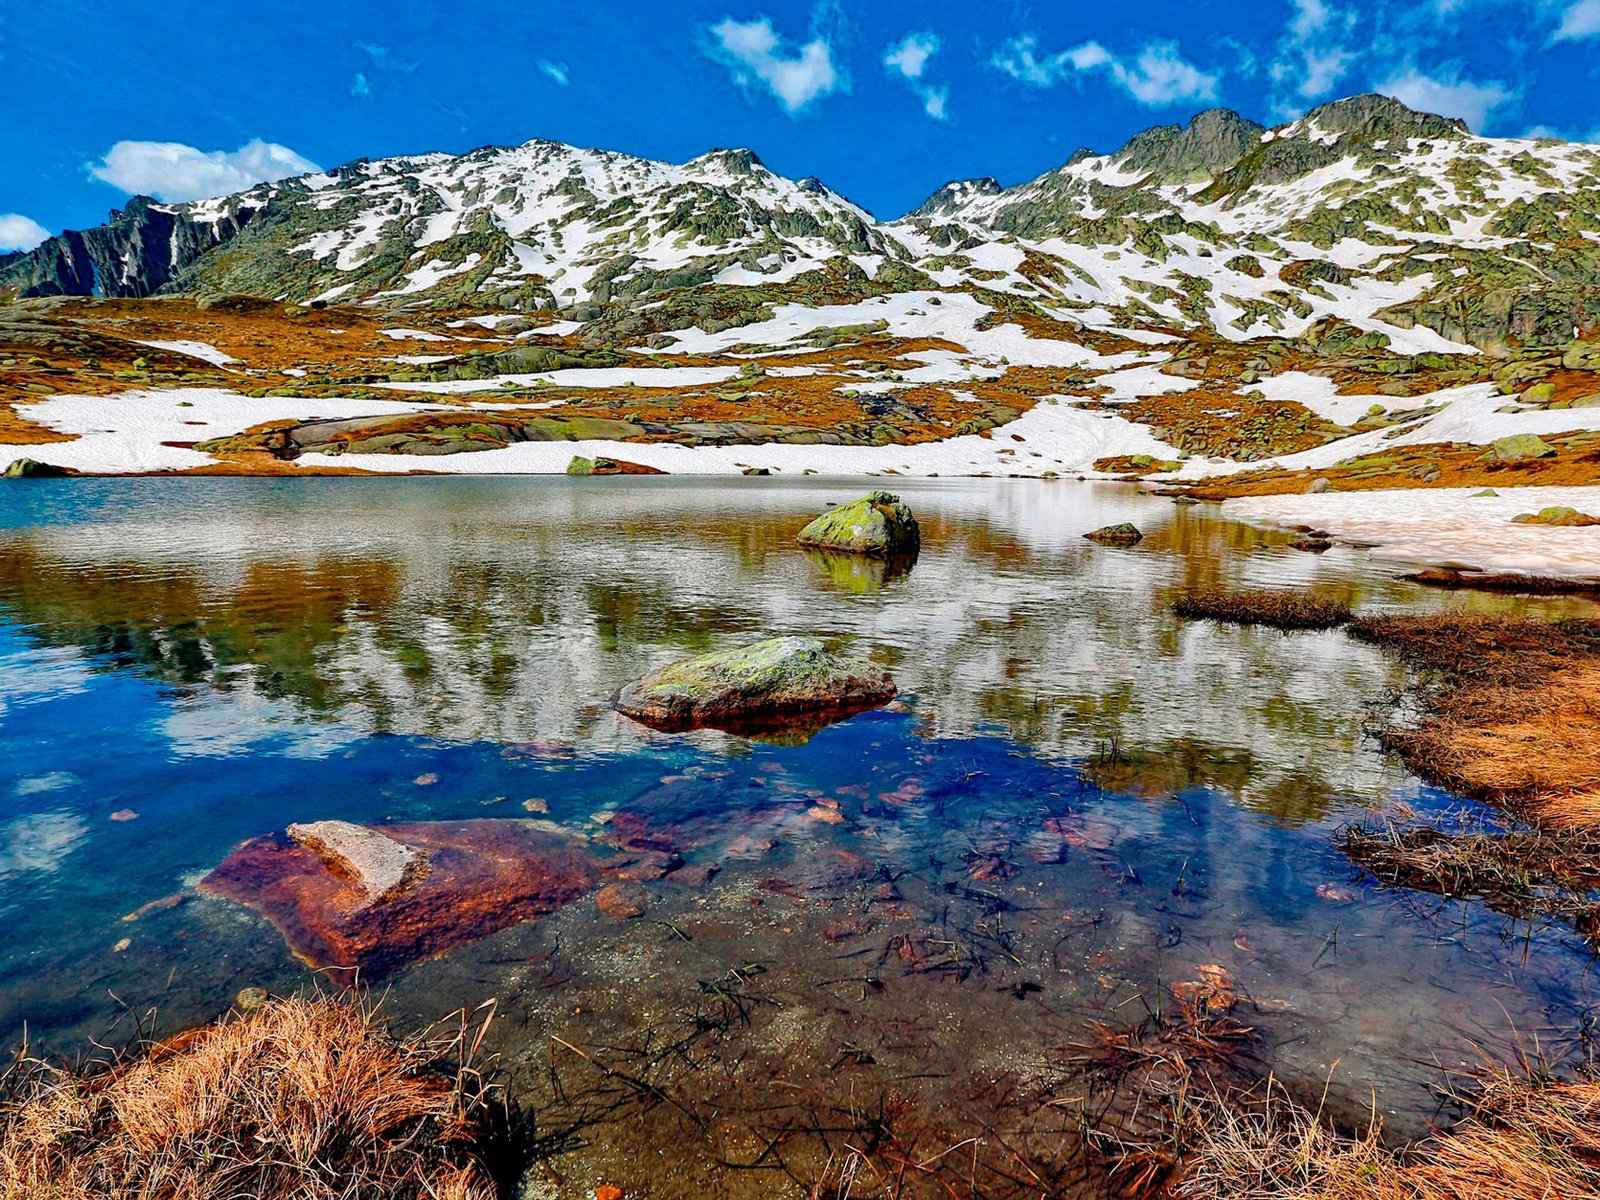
(734, 162)
(955, 195)
(1212, 142)
(1373, 117)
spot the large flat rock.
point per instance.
(482, 876)
(756, 686)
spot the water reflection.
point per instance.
(1078, 799)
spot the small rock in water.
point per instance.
(761, 683)
(122, 944)
(535, 805)
(251, 998)
(879, 525)
(427, 779)
(29, 468)
(608, 466)
(124, 814)
(1125, 534)
(621, 901)
(383, 866)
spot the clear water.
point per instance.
(223, 657)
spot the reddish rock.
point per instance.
(621, 901)
(484, 876)
(694, 877)
(651, 864)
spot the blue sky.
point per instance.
(884, 100)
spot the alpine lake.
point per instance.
(897, 932)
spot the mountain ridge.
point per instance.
(1205, 225)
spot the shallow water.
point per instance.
(222, 657)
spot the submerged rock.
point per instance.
(1125, 534)
(30, 468)
(879, 524)
(482, 876)
(382, 866)
(757, 685)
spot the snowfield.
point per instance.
(1446, 526)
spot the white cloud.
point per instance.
(1311, 56)
(908, 58)
(910, 55)
(18, 232)
(557, 72)
(1158, 75)
(755, 53)
(1579, 20)
(173, 172)
(360, 89)
(1449, 95)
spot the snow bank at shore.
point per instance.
(1456, 527)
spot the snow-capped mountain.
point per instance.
(1394, 221)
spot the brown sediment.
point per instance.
(484, 876)
(1489, 581)
(306, 1098)
(1280, 609)
(1511, 710)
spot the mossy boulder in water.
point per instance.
(608, 466)
(878, 524)
(1125, 534)
(760, 685)
(29, 468)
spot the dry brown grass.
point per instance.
(1280, 609)
(1526, 1138)
(306, 1099)
(1511, 710)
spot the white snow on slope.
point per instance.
(201, 350)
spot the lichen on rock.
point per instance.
(757, 685)
(879, 524)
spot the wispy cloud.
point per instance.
(1156, 76)
(1447, 94)
(796, 75)
(360, 89)
(18, 232)
(908, 58)
(556, 72)
(383, 58)
(1579, 20)
(1313, 55)
(174, 172)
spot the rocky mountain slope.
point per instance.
(1395, 221)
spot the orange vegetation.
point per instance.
(1512, 715)
(304, 1099)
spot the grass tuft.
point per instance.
(1525, 1138)
(1280, 609)
(308, 1098)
